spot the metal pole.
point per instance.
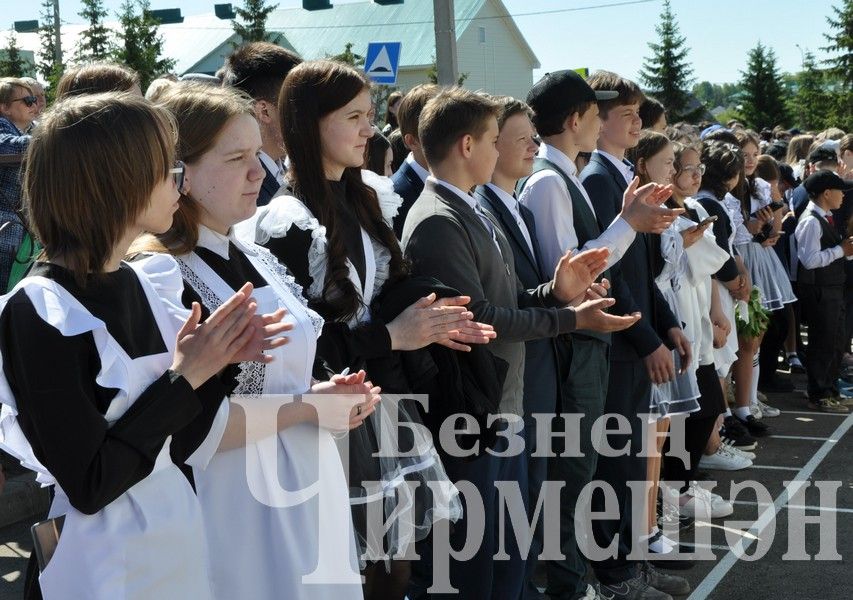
(445, 42)
(58, 43)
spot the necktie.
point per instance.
(830, 220)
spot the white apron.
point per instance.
(148, 542)
(259, 551)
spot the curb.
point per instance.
(23, 498)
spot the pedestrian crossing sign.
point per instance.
(382, 61)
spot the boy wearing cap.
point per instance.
(566, 118)
(639, 356)
(821, 278)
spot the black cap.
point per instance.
(822, 154)
(820, 181)
(555, 91)
(786, 173)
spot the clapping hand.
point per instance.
(577, 271)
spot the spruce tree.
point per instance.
(13, 64)
(763, 98)
(667, 73)
(94, 41)
(812, 103)
(47, 66)
(840, 43)
(141, 44)
(254, 21)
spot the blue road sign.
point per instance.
(382, 61)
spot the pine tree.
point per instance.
(141, 44)
(812, 103)
(841, 66)
(95, 39)
(47, 66)
(13, 64)
(254, 21)
(667, 73)
(763, 101)
(348, 56)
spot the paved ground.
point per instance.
(806, 447)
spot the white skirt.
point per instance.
(725, 357)
(767, 274)
(677, 397)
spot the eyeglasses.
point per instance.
(178, 173)
(28, 100)
(694, 170)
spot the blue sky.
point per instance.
(719, 32)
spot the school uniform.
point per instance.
(629, 390)
(274, 172)
(821, 279)
(408, 184)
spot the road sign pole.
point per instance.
(445, 42)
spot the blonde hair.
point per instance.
(7, 88)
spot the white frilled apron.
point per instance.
(149, 542)
(256, 550)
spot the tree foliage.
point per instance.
(12, 63)
(95, 43)
(840, 45)
(713, 95)
(667, 73)
(348, 56)
(141, 46)
(812, 102)
(763, 97)
(253, 15)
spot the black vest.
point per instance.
(832, 274)
(585, 223)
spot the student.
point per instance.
(566, 118)
(641, 355)
(820, 279)
(258, 69)
(331, 228)
(653, 115)
(392, 108)
(410, 177)
(378, 154)
(96, 78)
(458, 132)
(132, 374)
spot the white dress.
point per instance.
(276, 511)
(149, 542)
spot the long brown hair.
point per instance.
(82, 186)
(96, 78)
(311, 91)
(650, 144)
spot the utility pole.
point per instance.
(57, 59)
(445, 42)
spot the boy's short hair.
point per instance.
(454, 112)
(258, 69)
(411, 106)
(509, 107)
(629, 92)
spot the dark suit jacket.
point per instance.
(444, 238)
(605, 186)
(268, 188)
(541, 372)
(409, 186)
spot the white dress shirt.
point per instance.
(273, 166)
(624, 168)
(512, 206)
(472, 202)
(808, 234)
(548, 198)
(422, 173)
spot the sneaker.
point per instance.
(632, 589)
(755, 411)
(670, 519)
(794, 364)
(828, 405)
(738, 452)
(755, 427)
(767, 410)
(718, 506)
(669, 584)
(724, 460)
(591, 594)
(735, 432)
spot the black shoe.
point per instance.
(755, 427)
(775, 385)
(632, 589)
(668, 584)
(735, 434)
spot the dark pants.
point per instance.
(482, 577)
(697, 429)
(628, 393)
(823, 311)
(584, 392)
(773, 344)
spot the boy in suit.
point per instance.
(821, 278)
(410, 177)
(566, 117)
(448, 236)
(640, 355)
(258, 69)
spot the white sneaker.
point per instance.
(738, 452)
(767, 410)
(719, 506)
(697, 506)
(755, 410)
(724, 460)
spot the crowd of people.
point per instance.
(228, 298)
